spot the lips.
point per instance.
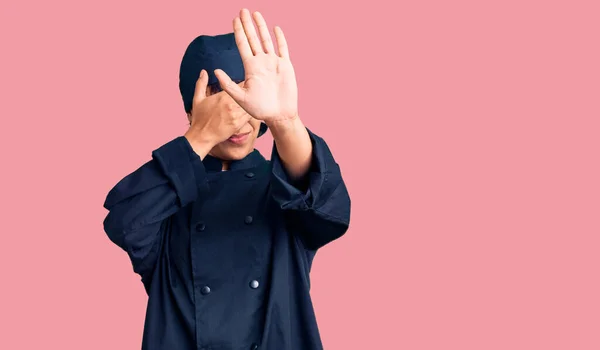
(239, 138)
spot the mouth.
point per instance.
(239, 139)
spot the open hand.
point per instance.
(269, 92)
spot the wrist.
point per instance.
(285, 126)
(199, 142)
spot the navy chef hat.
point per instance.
(209, 53)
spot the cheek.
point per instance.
(255, 124)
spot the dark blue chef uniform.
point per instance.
(225, 256)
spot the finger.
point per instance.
(229, 86)
(254, 119)
(263, 31)
(240, 39)
(248, 26)
(281, 43)
(201, 83)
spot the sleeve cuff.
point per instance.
(184, 169)
(320, 177)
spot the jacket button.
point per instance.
(254, 284)
(200, 227)
(248, 219)
(250, 175)
(254, 347)
(205, 290)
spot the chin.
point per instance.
(234, 153)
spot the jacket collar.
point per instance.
(214, 164)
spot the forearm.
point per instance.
(171, 180)
(318, 211)
(293, 146)
(139, 204)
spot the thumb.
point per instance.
(201, 83)
(233, 89)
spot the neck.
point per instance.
(215, 163)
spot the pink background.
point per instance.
(467, 131)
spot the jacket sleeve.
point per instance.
(141, 202)
(316, 208)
